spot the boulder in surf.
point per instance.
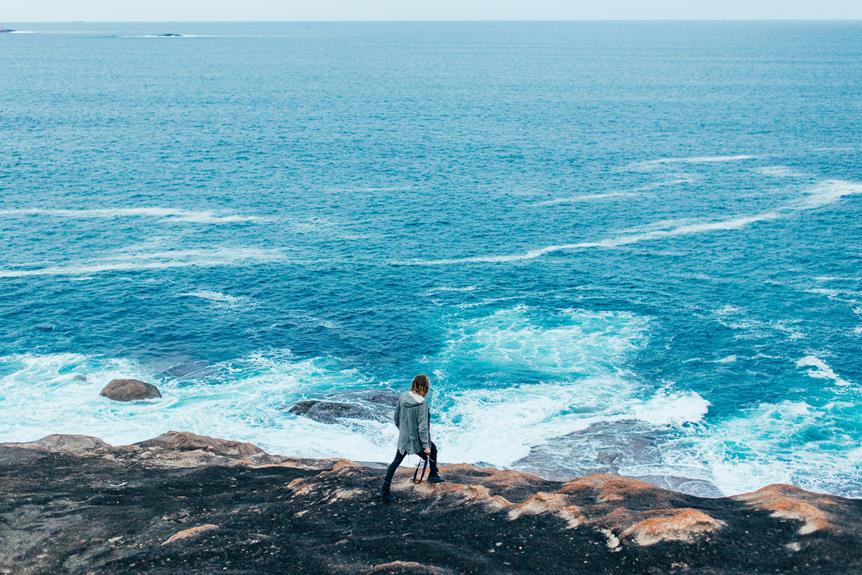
(130, 390)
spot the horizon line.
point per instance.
(442, 20)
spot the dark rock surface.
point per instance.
(353, 404)
(331, 411)
(130, 390)
(188, 504)
(381, 396)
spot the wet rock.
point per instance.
(77, 444)
(185, 441)
(609, 447)
(170, 450)
(130, 390)
(603, 447)
(381, 396)
(331, 411)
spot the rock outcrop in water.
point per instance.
(330, 411)
(182, 503)
(130, 390)
(366, 404)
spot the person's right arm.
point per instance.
(398, 415)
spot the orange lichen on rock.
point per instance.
(344, 464)
(552, 503)
(191, 532)
(789, 502)
(682, 525)
(469, 494)
(499, 477)
(610, 487)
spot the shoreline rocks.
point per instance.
(184, 503)
(130, 390)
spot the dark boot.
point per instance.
(385, 495)
(435, 474)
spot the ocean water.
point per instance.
(613, 246)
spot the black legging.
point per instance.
(399, 457)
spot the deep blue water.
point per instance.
(633, 245)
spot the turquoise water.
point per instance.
(630, 246)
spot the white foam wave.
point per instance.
(827, 192)
(753, 328)
(648, 164)
(837, 279)
(167, 214)
(245, 400)
(819, 369)
(152, 261)
(221, 300)
(489, 301)
(447, 289)
(612, 242)
(779, 172)
(170, 36)
(575, 357)
(819, 195)
(728, 309)
(614, 194)
(568, 342)
(583, 198)
(672, 409)
(500, 426)
(762, 445)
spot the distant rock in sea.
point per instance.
(130, 390)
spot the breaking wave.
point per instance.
(153, 261)
(649, 164)
(819, 369)
(167, 214)
(819, 195)
(221, 300)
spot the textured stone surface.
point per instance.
(77, 505)
(130, 390)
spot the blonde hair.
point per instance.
(420, 384)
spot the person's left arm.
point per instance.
(424, 425)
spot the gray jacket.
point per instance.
(413, 421)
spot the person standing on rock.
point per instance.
(413, 420)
